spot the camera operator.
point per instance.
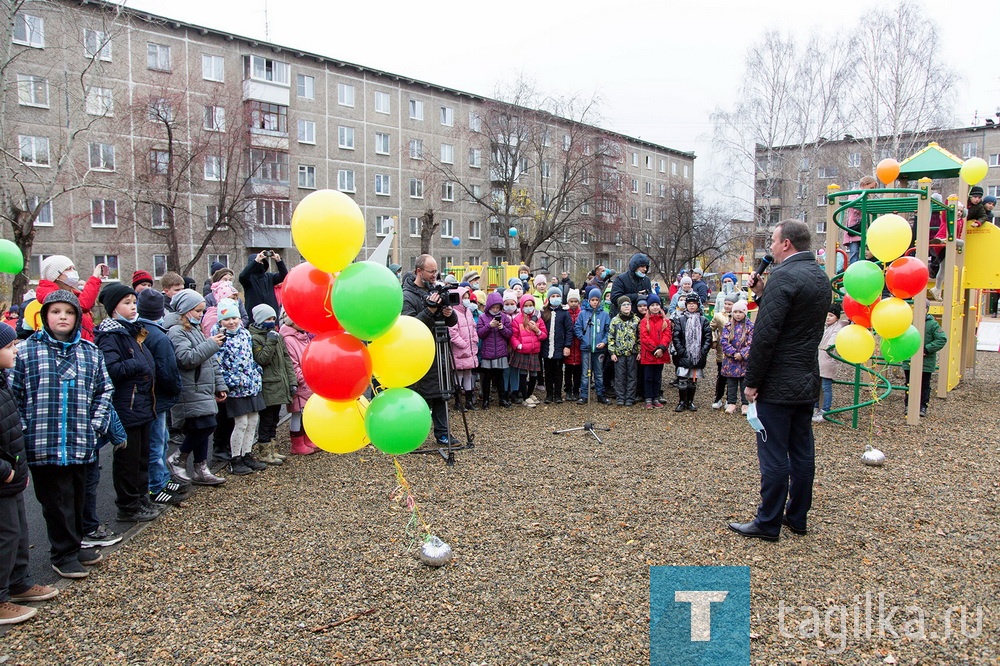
(423, 301)
(258, 284)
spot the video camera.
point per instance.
(448, 292)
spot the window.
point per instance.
(345, 94)
(567, 142)
(260, 68)
(820, 200)
(854, 160)
(213, 68)
(381, 102)
(546, 170)
(345, 180)
(447, 153)
(475, 158)
(447, 191)
(160, 217)
(160, 266)
(345, 137)
(447, 228)
(687, 170)
(383, 184)
(102, 157)
(416, 109)
(34, 150)
(111, 261)
(804, 164)
(42, 212)
(416, 149)
(827, 172)
(266, 117)
(32, 90)
(215, 118)
(159, 162)
(214, 221)
(673, 168)
(583, 238)
(635, 159)
(214, 167)
(103, 213)
(160, 110)
(477, 193)
(635, 186)
(381, 143)
(969, 149)
(649, 161)
(274, 212)
(29, 30)
(475, 232)
(383, 225)
(633, 212)
(416, 188)
(447, 116)
(97, 44)
(305, 86)
(475, 260)
(649, 214)
(217, 258)
(307, 131)
(649, 188)
(307, 177)
(414, 226)
(269, 165)
(158, 57)
(100, 101)
(994, 160)
(475, 121)
(663, 165)
(585, 209)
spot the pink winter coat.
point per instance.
(464, 338)
(522, 339)
(295, 344)
(220, 290)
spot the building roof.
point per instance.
(931, 162)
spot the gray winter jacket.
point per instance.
(201, 377)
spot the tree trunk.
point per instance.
(24, 238)
(427, 230)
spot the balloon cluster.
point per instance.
(347, 305)
(888, 238)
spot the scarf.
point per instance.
(692, 335)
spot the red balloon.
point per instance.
(337, 366)
(906, 277)
(859, 314)
(305, 295)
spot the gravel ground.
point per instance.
(553, 538)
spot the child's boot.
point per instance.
(266, 450)
(299, 446)
(252, 461)
(470, 401)
(690, 398)
(177, 462)
(681, 399)
(237, 467)
(203, 476)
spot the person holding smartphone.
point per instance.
(59, 272)
(258, 284)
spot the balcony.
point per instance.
(265, 91)
(269, 237)
(498, 243)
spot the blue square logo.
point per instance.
(699, 615)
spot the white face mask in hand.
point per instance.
(754, 421)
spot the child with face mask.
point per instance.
(559, 324)
(511, 375)
(655, 336)
(692, 338)
(623, 345)
(279, 383)
(525, 343)
(464, 348)
(244, 378)
(494, 331)
(133, 371)
(735, 341)
(571, 352)
(58, 272)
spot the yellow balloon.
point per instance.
(404, 354)
(889, 236)
(891, 317)
(855, 343)
(334, 425)
(974, 170)
(328, 229)
(32, 315)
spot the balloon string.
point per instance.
(415, 526)
(328, 301)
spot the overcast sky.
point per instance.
(660, 69)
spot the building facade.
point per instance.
(143, 142)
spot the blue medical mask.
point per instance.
(510, 309)
(474, 285)
(131, 321)
(640, 274)
(194, 320)
(529, 310)
(555, 301)
(466, 303)
(755, 422)
(605, 274)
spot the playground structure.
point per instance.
(969, 266)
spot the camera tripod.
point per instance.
(447, 389)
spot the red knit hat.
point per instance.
(141, 276)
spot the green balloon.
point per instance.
(11, 259)
(397, 421)
(367, 299)
(902, 347)
(864, 282)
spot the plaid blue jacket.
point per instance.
(63, 392)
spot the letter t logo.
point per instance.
(701, 610)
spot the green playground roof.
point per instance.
(932, 162)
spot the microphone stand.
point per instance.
(588, 426)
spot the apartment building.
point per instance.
(140, 141)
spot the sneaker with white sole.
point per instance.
(88, 557)
(71, 569)
(15, 614)
(718, 404)
(102, 536)
(36, 593)
(818, 416)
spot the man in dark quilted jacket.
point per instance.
(783, 380)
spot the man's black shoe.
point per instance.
(581, 401)
(448, 441)
(751, 531)
(793, 529)
(603, 399)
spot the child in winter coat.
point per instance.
(735, 341)
(934, 341)
(623, 345)
(591, 329)
(58, 272)
(692, 340)
(828, 364)
(278, 379)
(296, 340)
(528, 332)
(243, 377)
(571, 352)
(511, 375)
(494, 331)
(721, 317)
(63, 393)
(464, 348)
(560, 327)
(655, 336)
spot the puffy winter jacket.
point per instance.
(735, 339)
(201, 377)
(560, 327)
(784, 366)
(495, 341)
(87, 297)
(12, 453)
(296, 342)
(827, 364)
(242, 374)
(623, 336)
(682, 358)
(132, 369)
(464, 337)
(278, 374)
(655, 332)
(574, 357)
(414, 305)
(168, 378)
(629, 284)
(258, 284)
(523, 340)
(591, 327)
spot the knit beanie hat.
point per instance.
(510, 295)
(221, 273)
(229, 309)
(989, 198)
(216, 266)
(729, 276)
(641, 302)
(141, 276)
(692, 298)
(511, 282)
(223, 289)
(7, 334)
(53, 266)
(740, 306)
(261, 313)
(150, 304)
(835, 309)
(61, 296)
(976, 191)
(186, 300)
(480, 295)
(622, 299)
(554, 291)
(573, 293)
(652, 298)
(112, 295)
(540, 281)
(593, 293)
(686, 281)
